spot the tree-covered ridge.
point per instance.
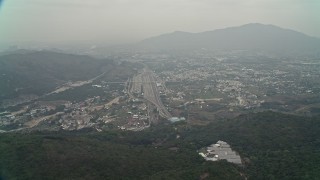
(39, 72)
(40, 156)
(272, 146)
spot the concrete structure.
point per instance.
(176, 119)
(221, 150)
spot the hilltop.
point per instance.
(249, 37)
(37, 72)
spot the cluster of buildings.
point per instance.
(136, 123)
(6, 118)
(62, 114)
(220, 151)
(239, 83)
(176, 119)
(225, 80)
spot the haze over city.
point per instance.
(159, 89)
(126, 21)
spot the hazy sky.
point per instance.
(121, 21)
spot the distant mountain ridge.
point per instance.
(253, 36)
(26, 72)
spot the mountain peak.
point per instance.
(256, 24)
(249, 37)
(177, 32)
(260, 25)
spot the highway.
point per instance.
(150, 91)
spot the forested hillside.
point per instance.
(272, 146)
(35, 73)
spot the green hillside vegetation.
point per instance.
(40, 72)
(272, 145)
(39, 156)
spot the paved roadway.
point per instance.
(151, 92)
